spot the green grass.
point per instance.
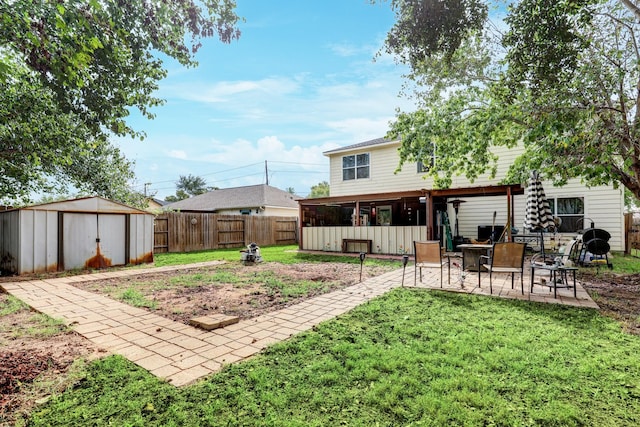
(12, 305)
(41, 325)
(287, 254)
(411, 357)
(135, 298)
(625, 264)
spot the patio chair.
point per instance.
(564, 257)
(506, 257)
(429, 255)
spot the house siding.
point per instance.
(383, 178)
(603, 204)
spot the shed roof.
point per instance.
(86, 204)
(251, 196)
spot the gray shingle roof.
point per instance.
(251, 196)
(369, 143)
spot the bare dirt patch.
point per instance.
(248, 291)
(617, 295)
(233, 289)
(186, 293)
(32, 365)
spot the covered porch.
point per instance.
(389, 223)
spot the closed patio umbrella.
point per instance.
(538, 216)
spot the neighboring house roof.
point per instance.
(159, 202)
(372, 142)
(236, 198)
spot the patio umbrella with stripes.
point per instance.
(538, 216)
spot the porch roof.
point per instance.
(491, 190)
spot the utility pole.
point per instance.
(266, 172)
(146, 184)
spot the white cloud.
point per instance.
(177, 154)
(225, 91)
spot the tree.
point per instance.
(291, 190)
(321, 189)
(189, 186)
(562, 82)
(71, 71)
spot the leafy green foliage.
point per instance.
(321, 189)
(561, 84)
(408, 358)
(71, 71)
(426, 28)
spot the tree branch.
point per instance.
(632, 7)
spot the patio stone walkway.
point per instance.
(182, 354)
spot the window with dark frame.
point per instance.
(355, 167)
(570, 210)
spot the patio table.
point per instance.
(471, 253)
(557, 273)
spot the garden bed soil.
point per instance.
(24, 358)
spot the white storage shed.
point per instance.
(90, 232)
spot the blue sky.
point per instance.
(301, 80)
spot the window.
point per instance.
(428, 158)
(355, 167)
(570, 210)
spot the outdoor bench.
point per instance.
(346, 242)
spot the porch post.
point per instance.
(509, 214)
(429, 210)
(357, 219)
(300, 225)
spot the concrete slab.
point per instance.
(214, 321)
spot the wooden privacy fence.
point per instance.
(187, 232)
(632, 233)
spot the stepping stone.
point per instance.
(212, 322)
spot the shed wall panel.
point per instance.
(111, 232)
(9, 241)
(38, 241)
(141, 239)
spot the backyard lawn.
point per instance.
(411, 357)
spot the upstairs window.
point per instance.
(428, 158)
(355, 167)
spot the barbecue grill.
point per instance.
(595, 248)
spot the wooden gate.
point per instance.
(187, 232)
(632, 234)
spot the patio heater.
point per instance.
(456, 207)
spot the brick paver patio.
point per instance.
(182, 354)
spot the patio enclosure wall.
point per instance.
(385, 239)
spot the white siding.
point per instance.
(268, 211)
(605, 205)
(386, 240)
(383, 163)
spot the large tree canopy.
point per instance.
(70, 72)
(561, 80)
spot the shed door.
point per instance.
(93, 240)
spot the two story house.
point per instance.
(371, 204)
